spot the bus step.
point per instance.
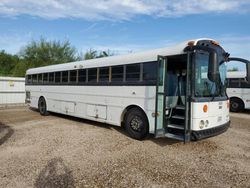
(174, 126)
(179, 107)
(178, 117)
(174, 136)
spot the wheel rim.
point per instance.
(235, 105)
(136, 124)
(42, 106)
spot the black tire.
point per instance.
(136, 124)
(42, 106)
(236, 105)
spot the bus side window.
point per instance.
(65, 76)
(233, 83)
(72, 76)
(51, 77)
(34, 78)
(82, 76)
(45, 77)
(40, 78)
(29, 79)
(227, 82)
(57, 77)
(133, 73)
(117, 73)
(104, 74)
(92, 75)
(244, 83)
(149, 72)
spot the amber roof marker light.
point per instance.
(191, 43)
(215, 43)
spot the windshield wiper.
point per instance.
(214, 94)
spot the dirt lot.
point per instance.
(59, 151)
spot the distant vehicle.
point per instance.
(176, 92)
(238, 91)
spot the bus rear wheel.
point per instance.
(136, 124)
(236, 105)
(42, 106)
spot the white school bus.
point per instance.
(238, 91)
(176, 92)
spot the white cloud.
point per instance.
(117, 9)
(126, 48)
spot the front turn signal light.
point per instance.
(205, 108)
(228, 104)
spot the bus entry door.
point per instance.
(160, 103)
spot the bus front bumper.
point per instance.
(198, 135)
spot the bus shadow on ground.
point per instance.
(159, 141)
(82, 120)
(163, 141)
(5, 133)
(55, 174)
(77, 119)
(246, 111)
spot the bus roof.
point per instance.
(146, 56)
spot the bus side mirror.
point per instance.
(213, 67)
(243, 61)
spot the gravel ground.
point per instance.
(60, 151)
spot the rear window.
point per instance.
(34, 78)
(29, 79)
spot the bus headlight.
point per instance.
(202, 123)
(206, 123)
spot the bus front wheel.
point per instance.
(136, 124)
(236, 105)
(42, 106)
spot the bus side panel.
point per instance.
(108, 102)
(241, 93)
(246, 97)
(33, 97)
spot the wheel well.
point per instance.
(238, 99)
(127, 109)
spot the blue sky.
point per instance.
(125, 26)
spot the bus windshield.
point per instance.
(204, 87)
